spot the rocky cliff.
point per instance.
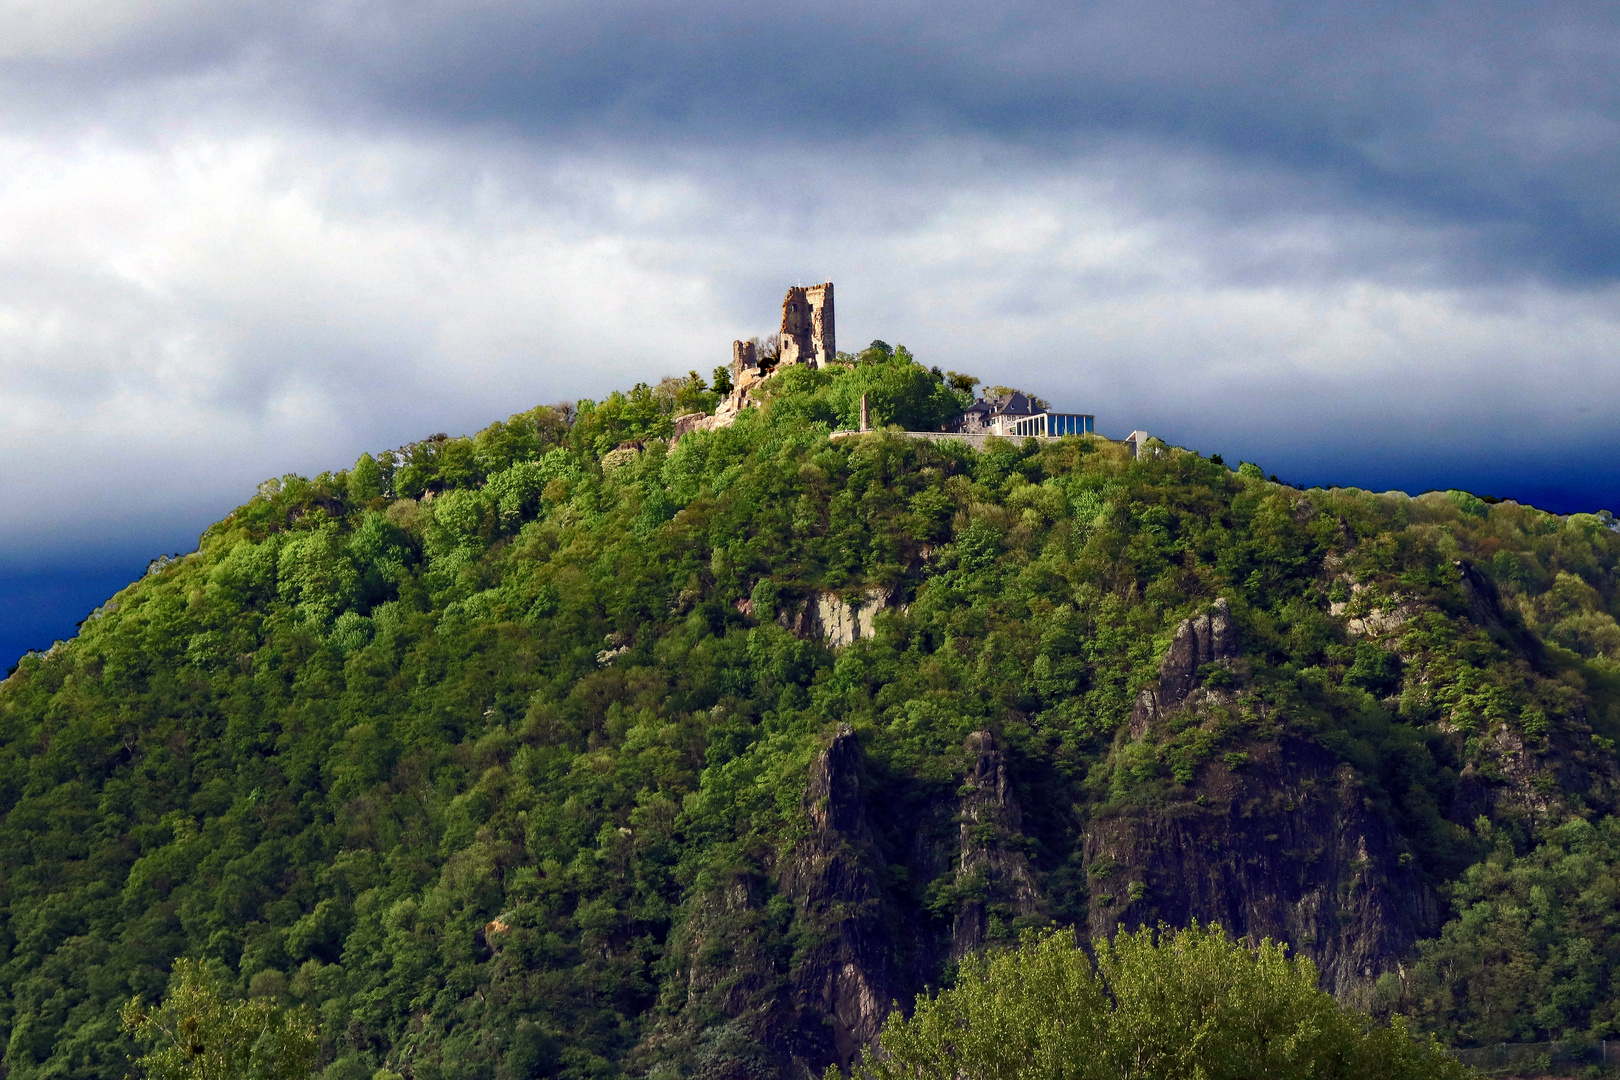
(1279, 839)
(851, 939)
(1288, 846)
(991, 868)
(562, 752)
(842, 970)
(1276, 836)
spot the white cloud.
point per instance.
(182, 317)
(73, 29)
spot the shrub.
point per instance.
(1170, 1004)
(198, 1034)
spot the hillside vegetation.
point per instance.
(522, 755)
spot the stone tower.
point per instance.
(807, 326)
(744, 357)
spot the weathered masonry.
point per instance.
(807, 337)
(807, 326)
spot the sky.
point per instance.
(1372, 244)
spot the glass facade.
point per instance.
(1051, 425)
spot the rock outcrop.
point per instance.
(837, 619)
(1203, 639)
(786, 1007)
(991, 873)
(844, 974)
(1282, 840)
(860, 937)
(1285, 846)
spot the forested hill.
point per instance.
(530, 754)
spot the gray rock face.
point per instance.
(733, 977)
(990, 872)
(846, 975)
(1203, 639)
(836, 619)
(843, 621)
(1285, 844)
(1286, 848)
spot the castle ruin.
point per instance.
(807, 338)
(807, 326)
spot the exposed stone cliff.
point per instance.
(833, 876)
(1203, 639)
(1285, 847)
(766, 998)
(1277, 838)
(991, 868)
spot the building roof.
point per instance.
(1014, 404)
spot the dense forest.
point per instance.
(532, 754)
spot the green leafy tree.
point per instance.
(365, 480)
(198, 1033)
(1165, 1004)
(898, 390)
(457, 773)
(692, 394)
(1529, 955)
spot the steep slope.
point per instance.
(519, 755)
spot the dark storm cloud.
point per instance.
(1500, 118)
(1370, 243)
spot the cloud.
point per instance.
(242, 238)
(269, 302)
(1495, 113)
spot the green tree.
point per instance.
(199, 1034)
(1530, 954)
(899, 391)
(692, 394)
(1165, 1004)
(365, 480)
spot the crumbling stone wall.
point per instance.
(807, 338)
(744, 356)
(807, 326)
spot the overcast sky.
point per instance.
(1367, 243)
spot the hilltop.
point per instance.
(561, 751)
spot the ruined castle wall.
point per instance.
(743, 356)
(822, 338)
(807, 326)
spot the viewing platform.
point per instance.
(980, 441)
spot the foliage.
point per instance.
(899, 392)
(196, 1034)
(1533, 952)
(451, 743)
(1153, 1005)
